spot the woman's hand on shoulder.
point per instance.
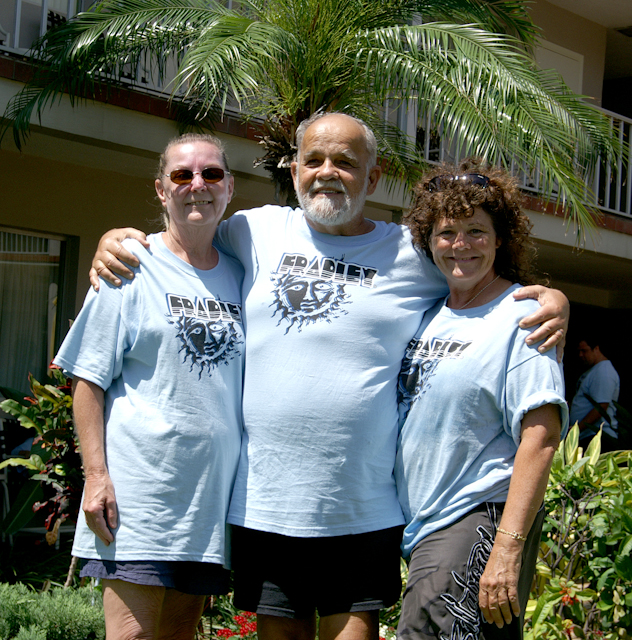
(552, 316)
(111, 256)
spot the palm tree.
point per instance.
(468, 64)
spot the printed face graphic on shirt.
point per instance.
(307, 296)
(301, 301)
(307, 291)
(208, 329)
(420, 361)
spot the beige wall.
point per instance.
(90, 169)
(58, 197)
(63, 198)
(577, 34)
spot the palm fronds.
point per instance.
(466, 62)
(485, 93)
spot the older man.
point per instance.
(332, 300)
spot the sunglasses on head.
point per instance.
(210, 175)
(438, 182)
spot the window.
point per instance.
(37, 287)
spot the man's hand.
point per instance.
(99, 506)
(498, 593)
(553, 316)
(111, 256)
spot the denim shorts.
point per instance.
(194, 578)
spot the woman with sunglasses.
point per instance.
(157, 367)
(481, 415)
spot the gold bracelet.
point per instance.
(514, 534)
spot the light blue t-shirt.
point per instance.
(167, 348)
(328, 319)
(601, 383)
(466, 383)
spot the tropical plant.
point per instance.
(56, 482)
(468, 65)
(584, 573)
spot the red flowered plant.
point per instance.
(242, 625)
(222, 620)
(568, 595)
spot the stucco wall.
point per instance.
(577, 34)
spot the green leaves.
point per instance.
(34, 463)
(585, 569)
(571, 452)
(54, 461)
(21, 511)
(45, 412)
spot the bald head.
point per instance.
(335, 117)
(334, 171)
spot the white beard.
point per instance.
(321, 209)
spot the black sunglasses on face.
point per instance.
(438, 182)
(210, 175)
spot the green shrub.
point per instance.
(16, 603)
(60, 614)
(32, 633)
(584, 573)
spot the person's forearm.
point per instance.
(99, 499)
(539, 441)
(593, 417)
(498, 592)
(88, 401)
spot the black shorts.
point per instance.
(441, 597)
(293, 577)
(193, 578)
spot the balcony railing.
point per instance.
(610, 189)
(23, 21)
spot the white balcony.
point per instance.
(610, 189)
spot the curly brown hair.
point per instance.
(501, 199)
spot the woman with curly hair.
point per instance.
(481, 415)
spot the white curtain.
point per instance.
(25, 324)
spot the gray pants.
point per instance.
(441, 597)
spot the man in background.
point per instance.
(601, 384)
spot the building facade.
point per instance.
(90, 168)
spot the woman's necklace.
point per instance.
(478, 294)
